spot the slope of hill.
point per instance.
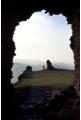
(46, 77)
(19, 67)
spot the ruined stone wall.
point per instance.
(10, 18)
(7, 53)
(76, 51)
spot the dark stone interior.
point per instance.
(12, 14)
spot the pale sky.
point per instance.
(44, 37)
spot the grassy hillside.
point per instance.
(46, 94)
(47, 77)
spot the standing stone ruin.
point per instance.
(49, 65)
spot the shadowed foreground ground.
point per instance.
(47, 102)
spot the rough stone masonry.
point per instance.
(12, 14)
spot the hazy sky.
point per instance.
(44, 37)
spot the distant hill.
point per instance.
(17, 70)
(19, 67)
(64, 66)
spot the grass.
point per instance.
(52, 82)
(47, 77)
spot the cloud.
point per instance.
(43, 36)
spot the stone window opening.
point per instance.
(21, 23)
(10, 20)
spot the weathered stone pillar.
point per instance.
(7, 53)
(76, 51)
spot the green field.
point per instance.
(46, 77)
(41, 87)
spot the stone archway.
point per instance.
(10, 19)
